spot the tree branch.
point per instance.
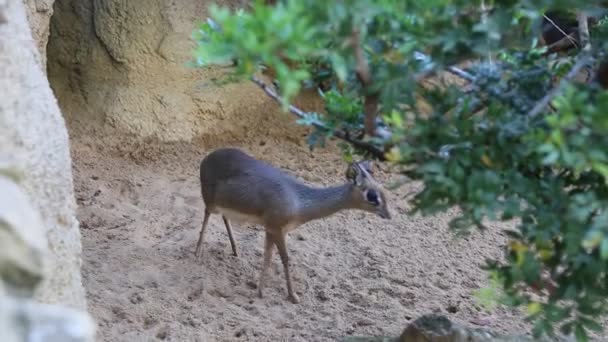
(341, 134)
(563, 44)
(461, 73)
(540, 105)
(370, 105)
(451, 69)
(583, 30)
(371, 101)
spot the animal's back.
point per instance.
(233, 180)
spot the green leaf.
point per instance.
(551, 157)
(593, 239)
(580, 333)
(591, 324)
(310, 119)
(339, 64)
(604, 249)
(601, 168)
(433, 167)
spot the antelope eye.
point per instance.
(372, 196)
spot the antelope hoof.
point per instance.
(199, 255)
(294, 298)
(260, 294)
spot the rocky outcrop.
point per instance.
(122, 64)
(22, 250)
(34, 137)
(39, 14)
(438, 328)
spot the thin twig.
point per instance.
(295, 110)
(561, 44)
(484, 20)
(451, 69)
(372, 149)
(461, 73)
(540, 105)
(560, 29)
(370, 105)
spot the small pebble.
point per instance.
(364, 322)
(163, 333)
(322, 295)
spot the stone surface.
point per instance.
(36, 322)
(439, 328)
(122, 65)
(33, 133)
(39, 14)
(21, 249)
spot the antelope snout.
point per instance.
(384, 213)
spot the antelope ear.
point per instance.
(354, 174)
(368, 165)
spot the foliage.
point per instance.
(489, 296)
(482, 147)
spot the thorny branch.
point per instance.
(340, 134)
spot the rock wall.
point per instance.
(39, 14)
(34, 137)
(22, 250)
(121, 64)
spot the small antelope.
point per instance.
(241, 188)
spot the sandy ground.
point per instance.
(140, 211)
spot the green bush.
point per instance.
(513, 143)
